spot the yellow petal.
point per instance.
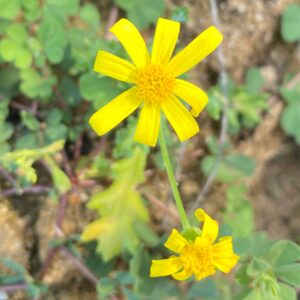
(115, 67)
(202, 275)
(182, 275)
(114, 112)
(192, 95)
(210, 228)
(224, 247)
(132, 41)
(165, 267)
(176, 242)
(165, 39)
(180, 118)
(197, 50)
(148, 126)
(226, 264)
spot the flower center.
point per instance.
(198, 257)
(154, 84)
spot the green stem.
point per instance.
(163, 147)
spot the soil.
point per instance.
(251, 31)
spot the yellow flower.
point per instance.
(199, 257)
(155, 86)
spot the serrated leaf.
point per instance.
(119, 207)
(290, 23)
(284, 253)
(289, 273)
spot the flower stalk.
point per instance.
(178, 201)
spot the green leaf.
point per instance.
(32, 10)
(34, 85)
(254, 81)
(9, 79)
(289, 273)
(60, 180)
(215, 103)
(17, 32)
(115, 229)
(146, 234)
(143, 12)
(257, 266)
(238, 208)
(290, 23)
(233, 167)
(286, 292)
(9, 9)
(9, 49)
(60, 9)
(35, 289)
(12, 265)
(54, 117)
(98, 89)
(124, 141)
(180, 14)
(51, 34)
(290, 121)
(27, 141)
(23, 59)
(291, 95)
(55, 132)
(203, 289)
(89, 14)
(70, 91)
(284, 253)
(106, 287)
(30, 120)
(6, 130)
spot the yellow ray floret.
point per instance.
(156, 87)
(199, 257)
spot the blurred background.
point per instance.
(56, 175)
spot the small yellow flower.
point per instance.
(155, 86)
(199, 257)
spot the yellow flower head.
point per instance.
(199, 257)
(155, 86)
